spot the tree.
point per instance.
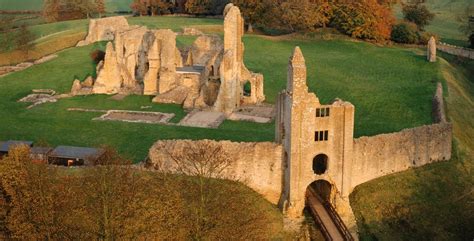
(25, 39)
(363, 19)
(51, 10)
(38, 208)
(198, 7)
(417, 13)
(87, 7)
(139, 6)
(204, 160)
(100, 7)
(405, 32)
(8, 34)
(467, 24)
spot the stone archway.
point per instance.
(322, 188)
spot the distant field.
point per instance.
(111, 5)
(446, 23)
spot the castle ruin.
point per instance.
(210, 75)
(315, 146)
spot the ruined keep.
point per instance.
(210, 75)
(315, 145)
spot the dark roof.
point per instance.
(73, 152)
(40, 150)
(5, 147)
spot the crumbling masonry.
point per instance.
(314, 144)
(210, 75)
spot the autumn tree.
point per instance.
(25, 39)
(139, 6)
(418, 14)
(51, 10)
(363, 19)
(205, 160)
(100, 7)
(38, 208)
(8, 34)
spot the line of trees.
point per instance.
(15, 38)
(59, 10)
(367, 19)
(113, 201)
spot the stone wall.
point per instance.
(257, 164)
(455, 50)
(384, 154)
(439, 115)
(104, 29)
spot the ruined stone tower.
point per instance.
(431, 50)
(317, 142)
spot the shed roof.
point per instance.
(5, 147)
(73, 152)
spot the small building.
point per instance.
(74, 156)
(6, 146)
(40, 154)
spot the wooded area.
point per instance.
(114, 201)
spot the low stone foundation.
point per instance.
(136, 117)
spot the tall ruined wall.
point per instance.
(257, 164)
(384, 154)
(104, 29)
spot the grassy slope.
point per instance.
(111, 5)
(445, 23)
(434, 202)
(391, 88)
(53, 37)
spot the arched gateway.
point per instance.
(317, 141)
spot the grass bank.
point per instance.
(434, 202)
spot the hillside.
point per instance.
(36, 5)
(446, 22)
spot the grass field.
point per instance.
(53, 37)
(434, 202)
(446, 23)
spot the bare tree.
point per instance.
(204, 160)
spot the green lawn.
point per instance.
(434, 202)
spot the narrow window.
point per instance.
(318, 112)
(316, 135)
(321, 135)
(327, 111)
(326, 133)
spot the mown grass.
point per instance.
(391, 88)
(434, 202)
